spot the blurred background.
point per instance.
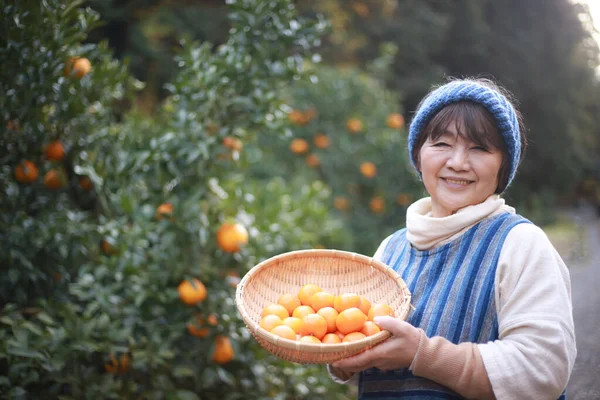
(142, 140)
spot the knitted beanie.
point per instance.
(468, 90)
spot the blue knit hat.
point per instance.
(469, 90)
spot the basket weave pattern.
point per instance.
(335, 272)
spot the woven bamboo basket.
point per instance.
(334, 271)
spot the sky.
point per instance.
(594, 6)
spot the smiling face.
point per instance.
(460, 159)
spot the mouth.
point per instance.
(460, 182)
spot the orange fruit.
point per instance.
(331, 338)
(284, 331)
(361, 9)
(289, 301)
(321, 299)
(53, 180)
(55, 151)
(191, 292)
(368, 169)
(350, 320)
(164, 210)
(26, 172)
(312, 160)
(275, 309)
(403, 199)
(310, 339)
(294, 323)
(379, 310)
(86, 183)
(297, 117)
(365, 305)
(345, 301)
(354, 125)
(395, 121)
(341, 203)
(321, 141)
(231, 237)
(107, 248)
(270, 321)
(369, 328)
(306, 293)
(330, 314)
(315, 325)
(199, 329)
(339, 334)
(353, 336)
(77, 67)
(299, 146)
(233, 143)
(13, 125)
(223, 350)
(302, 311)
(120, 366)
(377, 205)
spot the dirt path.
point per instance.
(585, 280)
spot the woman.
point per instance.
(493, 315)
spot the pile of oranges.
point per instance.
(316, 316)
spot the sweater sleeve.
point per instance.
(535, 353)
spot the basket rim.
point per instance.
(366, 342)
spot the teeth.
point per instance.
(456, 182)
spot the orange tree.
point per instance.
(119, 267)
(347, 131)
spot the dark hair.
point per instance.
(474, 123)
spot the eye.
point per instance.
(440, 144)
(480, 148)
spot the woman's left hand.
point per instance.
(396, 352)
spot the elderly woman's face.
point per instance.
(457, 172)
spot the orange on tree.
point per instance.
(191, 292)
(223, 350)
(395, 121)
(118, 367)
(199, 329)
(232, 143)
(350, 320)
(86, 183)
(107, 248)
(354, 125)
(77, 67)
(321, 141)
(26, 172)
(377, 204)
(368, 169)
(53, 180)
(270, 321)
(297, 117)
(13, 125)
(289, 301)
(231, 237)
(341, 203)
(284, 331)
(55, 151)
(275, 309)
(164, 210)
(299, 146)
(404, 199)
(378, 310)
(345, 301)
(312, 160)
(306, 292)
(361, 9)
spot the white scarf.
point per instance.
(425, 231)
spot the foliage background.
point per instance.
(90, 273)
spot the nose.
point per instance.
(458, 159)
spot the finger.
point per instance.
(355, 363)
(393, 325)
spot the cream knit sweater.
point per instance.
(535, 352)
